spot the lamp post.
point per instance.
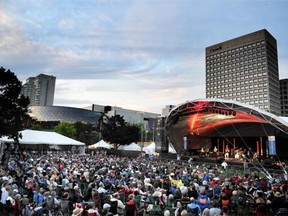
(153, 132)
(142, 138)
(146, 132)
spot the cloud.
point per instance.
(129, 53)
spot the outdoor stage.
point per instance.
(232, 162)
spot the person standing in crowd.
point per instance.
(193, 208)
(119, 207)
(10, 206)
(278, 201)
(106, 175)
(4, 195)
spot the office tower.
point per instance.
(40, 90)
(284, 97)
(166, 110)
(245, 69)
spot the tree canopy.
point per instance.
(118, 132)
(66, 129)
(13, 105)
(86, 133)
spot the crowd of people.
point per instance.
(61, 183)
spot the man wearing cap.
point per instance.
(106, 209)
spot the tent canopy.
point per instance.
(43, 138)
(131, 147)
(150, 149)
(100, 144)
(171, 149)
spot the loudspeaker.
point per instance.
(161, 140)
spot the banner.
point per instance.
(271, 145)
(185, 143)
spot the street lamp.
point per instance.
(142, 138)
(146, 132)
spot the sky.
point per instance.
(135, 54)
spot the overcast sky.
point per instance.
(136, 54)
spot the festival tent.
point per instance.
(150, 149)
(34, 137)
(131, 147)
(171, 149)
(100, 144)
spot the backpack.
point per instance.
(8, 206)
(193, 211)
(209, 193)
(241, 201)
(233, 203)
(234, 200)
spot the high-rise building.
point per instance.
(245, 69)
(166, 110)
(40, 90)
(284, 97)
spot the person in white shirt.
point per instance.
(10, 198)
(4, 189)
(10, 203)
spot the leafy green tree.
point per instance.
(118, 132)
(66, 129)
(86, 133)
(36, 127)
(13, 105)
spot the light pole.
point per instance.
(142, 138)
(146, 132)
(153, 132)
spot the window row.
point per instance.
(254, 46)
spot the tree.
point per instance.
(13, 105)
(115, 130)
(66, 129)
(86, 133)
(36, 127)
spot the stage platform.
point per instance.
(230, 161)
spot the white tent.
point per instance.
(100, 144)
(131, 147)
(171, 149)
(35, 137)
(150, 149)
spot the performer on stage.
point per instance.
(215, 152)
(237, 156)
(227, 152)
(203, 152)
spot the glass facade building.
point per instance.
(245, 69)
(60, 114)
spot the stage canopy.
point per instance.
(206, 118)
